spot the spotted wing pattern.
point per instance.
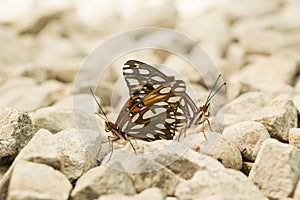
(137, 74)
(153, 114)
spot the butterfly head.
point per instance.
(205, 109)
(109, 126)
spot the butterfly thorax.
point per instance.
(114, 129)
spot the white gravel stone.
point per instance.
(16, 129)
(294, 137)
(217, 147)
(247, 136)
(244, 107)
(227, 153)
(277, 163)
(278, 117)
(53, 119)
(102, 180)
(37, 181)
(148, 194)
(162, 178)
(42, 148)
(223, 184)
(76, 160)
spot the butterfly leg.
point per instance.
(203, 128)
(132, 146)
(111, 139)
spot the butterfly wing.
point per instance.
(138, 74)
(156, 115)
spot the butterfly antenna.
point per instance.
(211, 94)
(102, 111)
(221, 86)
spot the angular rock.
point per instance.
(16, 129)
(76, 160)
(223, 184)
(37, 181)
(217, 147)
(247, 136)
(186, 165)
(154, 176)
(226, 153)
(294, 137)
(278, 117)
(42, 148)
(244, 107)
(100, 181)
(148, 194)
(277, 163)
(53, 119)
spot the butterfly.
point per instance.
(149, 114)
(137, 73)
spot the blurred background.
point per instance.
(254, 44)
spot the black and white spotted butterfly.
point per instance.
(149, 114)
(137, 73)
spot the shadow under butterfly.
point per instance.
(137, 73)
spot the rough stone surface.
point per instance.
(279, 164)
(216, 146)
(37, 181)
(102, 180)
(16, 129)
(76, 160)
(162, 178)
(278, 117)
(244, 107)
(148, 194)
(247, 136)
(294, 137)
(42, 148)
(223, 184)
(53, 119)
